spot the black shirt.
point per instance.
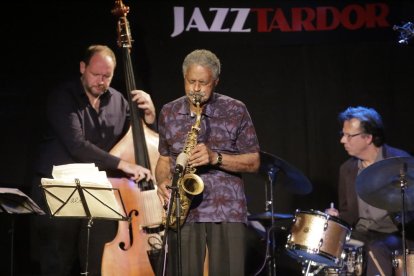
(77, 133)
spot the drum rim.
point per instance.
(313, 212)
(300, 248)
(408, 251)
(326, 216)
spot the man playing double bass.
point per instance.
(86, 118)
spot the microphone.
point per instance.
(406, 32)
(181, 162)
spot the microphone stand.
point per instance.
(175, 196)
(178, 234)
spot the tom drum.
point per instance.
(397, 262)
(318, 237)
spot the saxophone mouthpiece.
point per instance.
(197, 98)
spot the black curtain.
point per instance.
(294, 84)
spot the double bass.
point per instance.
(135, 249)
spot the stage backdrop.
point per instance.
(295, 64)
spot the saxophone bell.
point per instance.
(192, 184)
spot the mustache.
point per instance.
(102, 86)
(196, 96)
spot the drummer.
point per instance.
(363, 138)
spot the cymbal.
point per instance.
(295, 183)
(379, 184)
(268, 216)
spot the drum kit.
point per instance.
(321, 242)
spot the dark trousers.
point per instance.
(225, 243)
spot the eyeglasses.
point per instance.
(349, 136)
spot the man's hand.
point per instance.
(164, 193)
(135, 171)
(202, 155)
(145, 103)
(332, 211)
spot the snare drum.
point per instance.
(397, 261)
(318, 237)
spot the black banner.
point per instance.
(281, 22)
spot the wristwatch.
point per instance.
(219, 160)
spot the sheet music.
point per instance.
(64, 199)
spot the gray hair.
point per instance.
(204, 58)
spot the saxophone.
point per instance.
(189, 184)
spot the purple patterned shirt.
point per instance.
(226, 127)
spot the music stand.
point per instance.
(85, 201)
(13, 201)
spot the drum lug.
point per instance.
(320, 244)
(348, 236)
(395, 263)
(394, 259)
(337, 261)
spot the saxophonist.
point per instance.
(226, 146)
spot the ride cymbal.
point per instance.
(295, 182)
(380, 184)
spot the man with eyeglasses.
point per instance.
(363, 138)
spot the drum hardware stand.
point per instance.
(308, 268)
(271, 257)
(403, 185)
(270, 166)
(306, 271)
